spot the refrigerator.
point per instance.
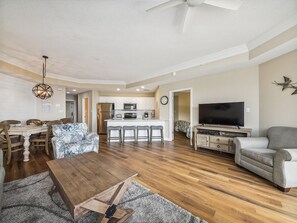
(104, 111)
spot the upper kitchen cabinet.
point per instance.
(143, 103)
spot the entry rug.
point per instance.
(27, 200)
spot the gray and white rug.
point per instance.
(27, 200)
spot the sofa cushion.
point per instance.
(261, 155)
(282, 137)
(70, 133)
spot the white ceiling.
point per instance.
(119, 41)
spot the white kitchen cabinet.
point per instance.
(143, 103)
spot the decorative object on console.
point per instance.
(287, 84)
(164, 100)
(42, 90)
(273, 157)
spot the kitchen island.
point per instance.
(135, 122)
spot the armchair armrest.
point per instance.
(248, 143)
(58, 147)
(93, 137)
(285, 168)
(252, 142)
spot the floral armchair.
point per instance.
(71, 139)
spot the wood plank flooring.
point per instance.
(206, 183)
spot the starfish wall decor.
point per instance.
(287, 84)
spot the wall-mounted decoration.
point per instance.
(287, 84)
(47, 106)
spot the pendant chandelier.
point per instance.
(42, 90)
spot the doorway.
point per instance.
(71, 110)
(180, 113)
(85, 111)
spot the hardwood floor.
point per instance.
(206, 183)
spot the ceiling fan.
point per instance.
(190, 4)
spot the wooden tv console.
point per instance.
(218, 138)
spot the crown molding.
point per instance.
(85, 81)
(13, 61)
(273, 32)
(230, 52)
(255, 47)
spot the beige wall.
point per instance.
(277, 107)
(184, 107)
(231, 86)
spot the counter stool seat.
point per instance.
(129, 128)
(114, 128)
(143, 128)
(159, 128)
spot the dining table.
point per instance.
(26, 131)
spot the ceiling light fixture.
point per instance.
(74, 90)
(137, 89)
(67, 92)
(173, 73)
(118, 89)
(142, 87)
(42, 90)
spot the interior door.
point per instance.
(86, 109)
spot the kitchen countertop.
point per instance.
(134, 120)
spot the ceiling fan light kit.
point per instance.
(225, 4)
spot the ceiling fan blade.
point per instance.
(186, 17)
(226, 4)
(166, 5)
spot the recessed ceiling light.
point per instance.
(67, 92)
(118, 89)
(137, 89)
(173, 73)
(142, 87)
(74, 90)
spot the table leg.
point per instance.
(26, 145)
(109, 211)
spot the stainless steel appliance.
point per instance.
(130, 115)
(104, 111)
(130, 106)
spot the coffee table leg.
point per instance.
(109, 211)
(53, 190)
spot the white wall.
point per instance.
(58, 105)
(17, 99)
(232, 86)
(277, 107)
(19, 103)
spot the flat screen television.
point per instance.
(222, 113)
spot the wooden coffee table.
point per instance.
(91, 182)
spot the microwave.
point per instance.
(130, 106)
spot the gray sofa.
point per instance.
(2, 175)
(273, 157)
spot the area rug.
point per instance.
(27, 200)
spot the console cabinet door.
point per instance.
(202, 140)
